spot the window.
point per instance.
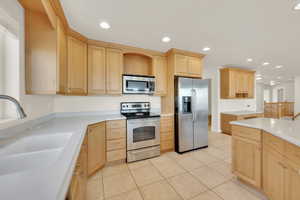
(9, 71)
(267, 95)
(280, 95)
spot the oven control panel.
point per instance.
(135, 106)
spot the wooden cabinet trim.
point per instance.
(245, 132)
(274, 142)
(114, 71)
(96, 70)
(77, 60)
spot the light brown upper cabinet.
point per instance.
(137, 64)
(96, 147)
(159, 70)
(188, 65)
(77, 67)
(236, 83)
(62, 62)
(195, 66)
(96, 70)
(181, 64)
(114, 71)
(45, 51)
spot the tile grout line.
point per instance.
(208, 188)
(217, 195)
(166, 179)
(102, 184)
(138, 188)
(189, 172)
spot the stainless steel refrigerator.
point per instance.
(191, 113)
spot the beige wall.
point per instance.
(297, 95)
(100, 103)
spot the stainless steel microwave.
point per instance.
(134, 84)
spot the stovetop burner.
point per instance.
(139, 115)
(136, 110)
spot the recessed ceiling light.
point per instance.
(297, 6)
(259, 78)
(279, 66)
(206, 49)
(105, 25)
(272, 83)
(258, 75)
(166, 39)
(265, 63)
(249, 60)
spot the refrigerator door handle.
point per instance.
(193, 106)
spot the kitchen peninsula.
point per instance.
(266, 154)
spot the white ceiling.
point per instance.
(265, 30)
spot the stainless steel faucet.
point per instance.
(20, 110)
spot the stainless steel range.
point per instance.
(143, 131)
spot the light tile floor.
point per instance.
(199, 175)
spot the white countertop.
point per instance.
(242, 112)
(50, 177)
(287, 130)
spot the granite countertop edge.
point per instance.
(287, 130)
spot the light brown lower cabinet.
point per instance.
(96, 147)
(273, 174)
(92, 157)
(77, 189)
(167, 133)
(116, 140)
(275, 170)
(281, 169)
(292, 181)
(246, 162)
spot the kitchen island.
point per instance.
(266, 155)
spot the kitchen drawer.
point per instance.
(116, 155)
(116, 124)
(167, 145)
(115, 133)
(115, 144)
(245, 132)
(166, 136)
(292, 152)
(273, 142)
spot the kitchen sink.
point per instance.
(28, 161)
(36, 143)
